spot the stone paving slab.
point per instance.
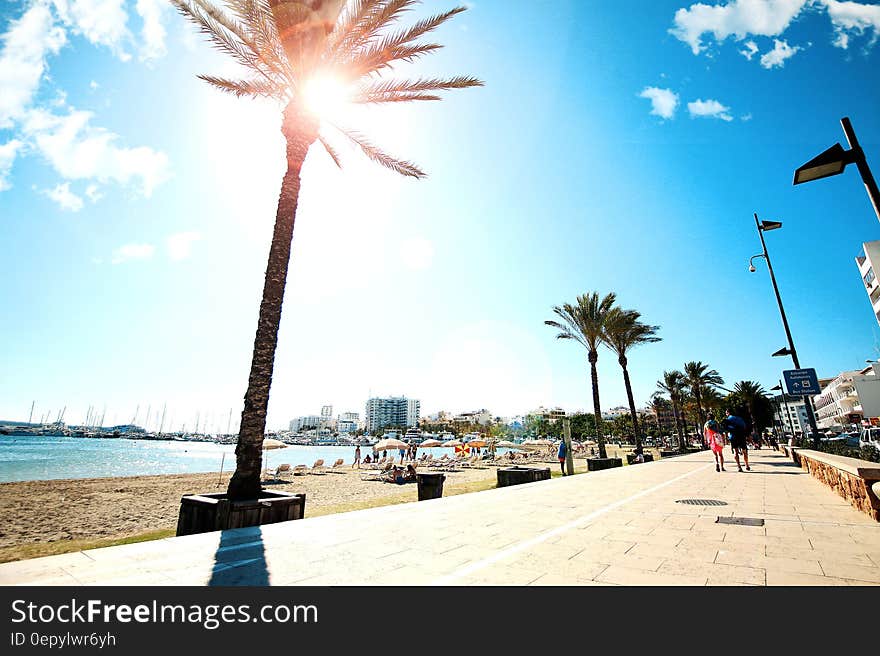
(614, 527)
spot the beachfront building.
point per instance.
(300, 423)
(391, 411)
(482, 417)
(348, 422)
(849, 398)
(614, 413)
(552, 415)
(866, 262)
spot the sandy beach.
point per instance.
(105, 508)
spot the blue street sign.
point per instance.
(802, 382)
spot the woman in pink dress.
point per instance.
(715, 441)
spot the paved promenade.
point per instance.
(617, 527)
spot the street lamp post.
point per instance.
(834, 160)
(763, 226)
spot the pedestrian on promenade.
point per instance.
(357, 457)
(561, 456)
(738, 433)
(714, 439)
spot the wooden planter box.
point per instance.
(519, 475)
(598, 464)
(200, 513)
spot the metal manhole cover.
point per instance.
(702, 502)
(742, 521)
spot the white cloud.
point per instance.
(179, 245)
(709, 109)
(26, 44)
(132, 252)
(153, 32)
(746, 117)
(93, 193)
(64, 197)
(102, 22)
(751, 49)
(8, 151)
(776, 57)
(417, 253)
(853, 18)
(663, 101)
(93, 85)
(737, 18)
(77, 151)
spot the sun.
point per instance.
(327, 96)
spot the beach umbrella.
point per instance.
(452, 443)
(507, 443)
(429, 443)
(269, 444)
(476, 443)
(389, 443)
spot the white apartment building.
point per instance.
(552, 415)
(312, 421)
(865, 262)
(791, 413)
(391, 411)
(482, 417)
(849, 398)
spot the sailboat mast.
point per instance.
(162, 423)
(31, 415)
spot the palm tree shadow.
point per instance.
(240, 558)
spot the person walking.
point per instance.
(714, 439)
(357, 457)
(561, 455)
(738, 434)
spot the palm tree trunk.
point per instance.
(702, 417)
(632, 404)
(299, 132)
(677, 415)
(594, 379)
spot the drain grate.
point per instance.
(702, 502)
(741, 521)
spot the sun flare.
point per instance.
(326, 96)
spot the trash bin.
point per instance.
(430, 485)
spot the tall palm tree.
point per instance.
(699, 377)
(623, 332)
(585, 323)
(673, 384)
(287, 47)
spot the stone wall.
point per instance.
(853, 488)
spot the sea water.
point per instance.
(28, 458)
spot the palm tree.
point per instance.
(751, 394)
(585, 323)
(673, 384)
(624, 331)
(699, 377)
(286, 46)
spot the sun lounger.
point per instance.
(300, 469)
(277, 473)
(337, 467)
(318, 467)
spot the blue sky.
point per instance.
(618, 146)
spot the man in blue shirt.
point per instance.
(737, 434)
(561, 456)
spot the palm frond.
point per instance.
(364, 20)
(256, 17)
(330, 151)
(226, 34)
(376, 99)
(258, 88)
(391, 87)
(380, 157)
(378, 52)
